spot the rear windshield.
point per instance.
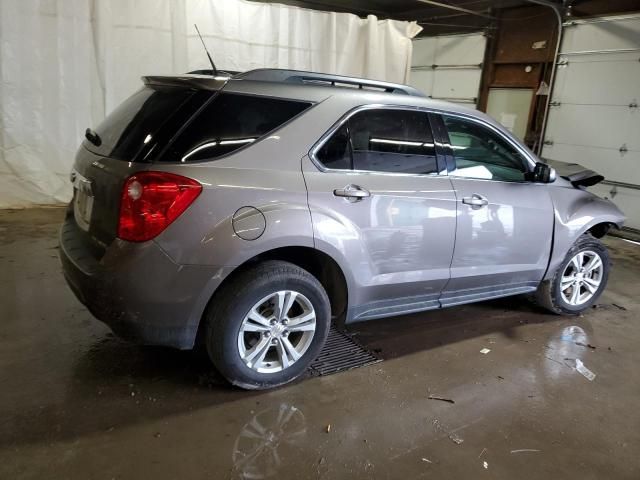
(229, 122)
(133, 124)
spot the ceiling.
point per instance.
(437, 17)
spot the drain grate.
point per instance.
(340, 353)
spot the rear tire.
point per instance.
(267, 325)
(579, 280)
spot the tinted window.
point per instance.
(336, 152)
(230, 122)
(481, 153)
(123, 132)
(382, 140)
(392, 141)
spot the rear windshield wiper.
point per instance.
(93, 137)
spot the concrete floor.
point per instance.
(76, 402)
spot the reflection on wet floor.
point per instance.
(256, 449)
(78, 402)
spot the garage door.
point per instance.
(449, 67)
(594, 119)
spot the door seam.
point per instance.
(455, 241)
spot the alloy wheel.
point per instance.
(277, 331)
(581, 278)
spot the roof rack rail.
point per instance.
(298, 76)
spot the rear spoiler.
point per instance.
(578, 175)
(201, 82)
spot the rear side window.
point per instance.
(125, 131)
(229, 122)
(336, 152)
(382, 140)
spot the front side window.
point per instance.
(483, 154)
(382, 140)
(232, 121)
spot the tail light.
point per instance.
(150, 201)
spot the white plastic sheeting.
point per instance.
(47, 89)
(65, 63)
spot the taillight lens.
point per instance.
(150, 201)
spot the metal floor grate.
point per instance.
(340, 353)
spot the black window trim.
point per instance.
(440, 160)
(451, 166)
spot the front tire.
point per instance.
(579, 280)
(267, 325)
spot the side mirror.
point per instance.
(542, 173)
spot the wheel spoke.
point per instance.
(591, 284)
(288, 351)
(302, 319)
(254, 327)
(303, 323)
(280, 301)
(285, 361)
(258, 352)
(576, 264)
(289, 301)
(591, 281)
(590, 287)
(567, 282)
(303, 327)
(593, 264)
(575, 294)
(258, 317)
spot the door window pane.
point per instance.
(382, 140)
(397, 141)
(481, 153)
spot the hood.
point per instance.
(578, 175)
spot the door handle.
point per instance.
(352, 193)
(475, 200)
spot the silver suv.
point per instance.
(247, 213)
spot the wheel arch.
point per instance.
(600, 229)
(578, 212)
(321, 265)
(565, 238)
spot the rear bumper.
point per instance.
(137, 290)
